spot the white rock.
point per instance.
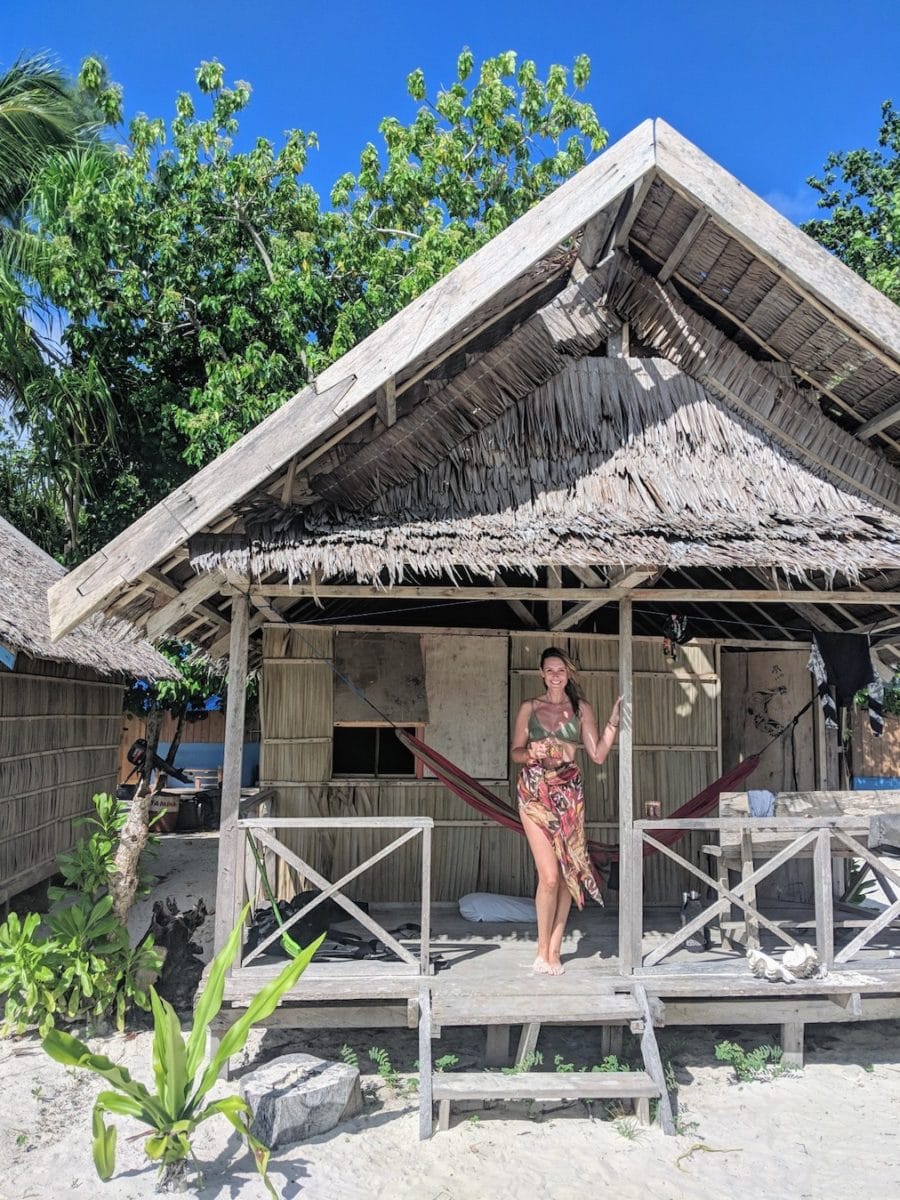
(299, 1096)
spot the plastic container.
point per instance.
(165, 808)
(876, 783)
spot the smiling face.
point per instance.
(554, 674)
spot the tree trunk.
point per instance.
(133, 838)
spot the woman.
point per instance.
(551, 797)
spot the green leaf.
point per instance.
(169, 1059)
(209, 1003)
(103, 1144)
(261, 1006)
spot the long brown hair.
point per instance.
(573, 688)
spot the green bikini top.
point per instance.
(569, 732)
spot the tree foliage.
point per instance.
(202, 285)
(860, 190)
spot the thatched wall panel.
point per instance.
(305, 762)
(59, 739)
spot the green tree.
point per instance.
(208, 284)
(860, 190)
(58, 410)
(475, 157)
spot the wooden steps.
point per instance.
(531, 1010)
(544, 1085)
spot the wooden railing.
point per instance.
(822, 836)
(265, 830)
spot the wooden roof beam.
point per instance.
(525, 615)
(365, 591)
(683, 245)
(627, 577)
(879, 422)
(185, 601)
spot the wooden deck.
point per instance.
(482, 976)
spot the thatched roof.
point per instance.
(778, 344)
(108, 647)
(613, 461)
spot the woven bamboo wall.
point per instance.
(59, 739)
(676, 755)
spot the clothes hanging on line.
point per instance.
(843, 661)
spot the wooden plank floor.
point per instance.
(477, 962)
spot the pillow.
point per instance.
(484, 906)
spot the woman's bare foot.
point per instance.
(543, 967)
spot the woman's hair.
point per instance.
(573, 689)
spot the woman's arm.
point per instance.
(598, 745)
(523, 751)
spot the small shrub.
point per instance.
(77, 962)
(563, 1067)
(611, 1063)
(171, 1114)
(535, 1059)
(446, 1062)
(760, 1064)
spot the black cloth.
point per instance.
(843, 661)
(848, 662)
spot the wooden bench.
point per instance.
(544, 1085)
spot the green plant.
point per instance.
(564, 1068)
(177, 1106)
(534, 1059)
(446, 1062)
(349, 1056)
(78, 961)
(28, 980)
(86, 868)
(762, 1063)
(629, 1128)
(389, 1075)
(611, 1063)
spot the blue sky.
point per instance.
(767, 87)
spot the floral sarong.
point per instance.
(554, 799)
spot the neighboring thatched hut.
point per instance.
(60, 713)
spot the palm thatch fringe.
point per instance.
(612, 461)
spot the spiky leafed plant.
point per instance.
(172, 1112)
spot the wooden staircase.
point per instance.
(630, 1007)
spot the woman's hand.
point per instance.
(537, 750)
(615, 715)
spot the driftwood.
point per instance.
(172, 931)
(133, 838)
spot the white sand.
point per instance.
(827, 1133)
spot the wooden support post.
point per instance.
(792, 1043)
(824, 899)
(612, 1038)
(631, 917)
(496, 1050)
(230, 881)
(750, 889)
(527, 1041)
(425, 912)
(554, 607)
(425, 1066)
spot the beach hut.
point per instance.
(650, 396)
(60, 713)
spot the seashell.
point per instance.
(766, 967)
(802, 961)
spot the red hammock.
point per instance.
(489, 805)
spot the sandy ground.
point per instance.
(821, 1134)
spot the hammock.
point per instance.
(484, 801)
